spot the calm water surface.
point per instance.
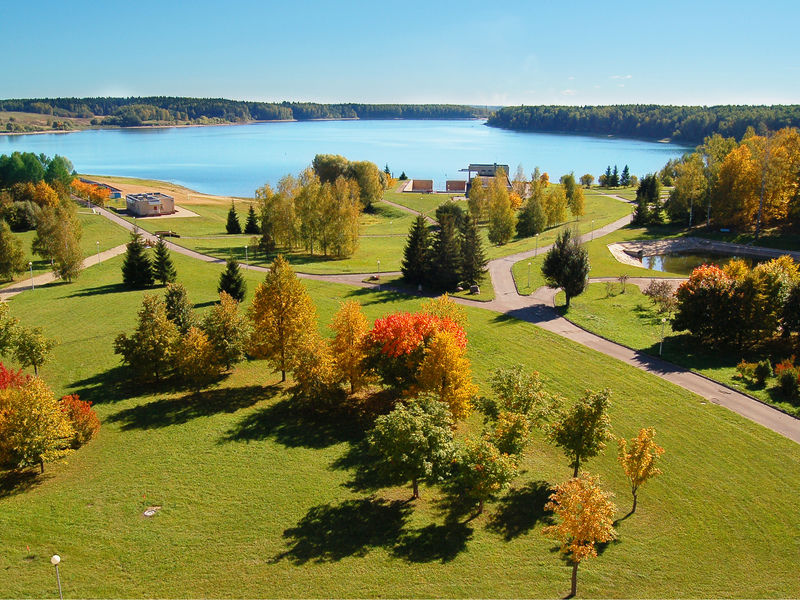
(685, 263)
(236, 159)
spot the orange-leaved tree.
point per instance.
(351, 328)
(282, 312)
(638, 459)
(586, 517)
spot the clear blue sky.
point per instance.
(534, 52)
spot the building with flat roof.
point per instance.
(150, 204)
(456, 185)
(422, 185)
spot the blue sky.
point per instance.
(463, 52)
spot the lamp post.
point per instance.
(379, 268)
(592, 229)
(661, 344)
(245, 257)
(98, 252)
(529, 274)
(30, 266)
(54, 560)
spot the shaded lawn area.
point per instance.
(630, 319)
(248, 484)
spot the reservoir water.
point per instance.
(236, 159)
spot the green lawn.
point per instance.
(424, 203)
(630, 319)
(95, 229)
(601, 261)
(255, 497)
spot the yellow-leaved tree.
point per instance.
(282, 313)
(196, 359)
(33, 428)
(446, 372)
(351, 328)
(638, 459)
(445, 308)
(586, 518)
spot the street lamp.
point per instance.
(245, 257)
(379, 267)
(98, 252)
(54, 560)
(529, 274)
(30, 266)
(661, 344)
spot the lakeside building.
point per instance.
(486, 173)
(150, 204)
(424, 186)
(456, 185)
(114, 193)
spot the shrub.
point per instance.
(788, 383)
(746, 370)
(82, 417)
(762, 371)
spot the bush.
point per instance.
(762, 371)
(746, 370)
(82, 417)
(788, 383)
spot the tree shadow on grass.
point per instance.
(112, 385)
(440, 543)
(521, 509)
(18, 482)
(372, 295)
(293, 425)
(101, 290)
(175, 411)
(332, 532)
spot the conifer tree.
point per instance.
(566, 265)
(473, 258)
(416, 253)
(625, 178)
(445, 258)
(231, 281)
(251, 225)
(163, 269)
(614, 177)
(178, 307)
(233, 226)
(137, 271)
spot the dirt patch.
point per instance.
(181, 194)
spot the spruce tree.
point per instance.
(163, 269)
(179, 309)
(251, 225)
(445, 269)
(233, 226)
(608, 177)
(532, 219)
(137, 271)
(416, 252)
(231, 281)
(473, 258)
(615, 177)
(625, 179)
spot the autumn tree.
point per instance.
(705, 306)
(81, 417)
(587, 180)
(33, 428)
(195, 359)
(586, 518)
(231, 280)
(281, 312)
(445, 372)
(443, 307)
(227, 330)
(502, 219)
(137, 270)
(177, 306)
(414, 443)
(555, 206)
(577, 203)
(163, 269)
(150, 348)
(481, 471)
(351, 328)
(8, 330)
(583, 430)
(638, 458)
(473, 257)
(519, 184)
(232, 226)
(566, 265)
(690, 188)
(32, 348)
(416, 252)
(477, 199)
(12, 256)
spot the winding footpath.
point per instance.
(538, 308)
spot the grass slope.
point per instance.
(255, 498)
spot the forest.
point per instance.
(689, 124)
(131, 112)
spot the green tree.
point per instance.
(231, 280)
(149, 349)
(566, 265)
(416, 253)
(178, 307)
(414, 443)
(648, 201)
(516, 391)
(233, 226)
(251, 225)
(58, 236)
(12, 256)
(32, 348)
(227, 330)
(532, 219)
(473, 257)
(568, 181)
(137, 271)
(8, 329)
(614, 182)
(445, 258)
(583, 430)
(163, 269)
(625, 178)
(587, 180)
(481, 471)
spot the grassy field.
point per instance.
(630, 319)
(601, 261)
(95, 229)
(256, 500)
(424, 203)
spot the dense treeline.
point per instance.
(127, 112)
(683, 123)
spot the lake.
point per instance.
(236, 159)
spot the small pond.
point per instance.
(684, 263)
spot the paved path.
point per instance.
(538, 308)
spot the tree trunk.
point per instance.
(480, 507)
(575, 472)
(283, 375)
(35, 370)
(568, 299)
(41, 465)
(415, 489)
(574, 589)
(633, 510)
